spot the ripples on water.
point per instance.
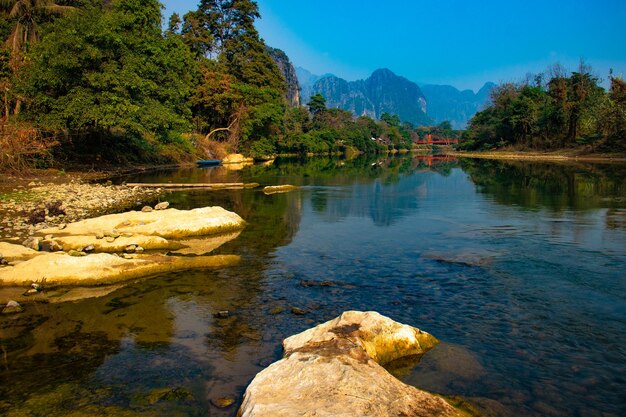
(517, 268)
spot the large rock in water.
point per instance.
(169, 224)
(335, 369)
(102, 268)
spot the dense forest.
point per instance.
(107, 79)
(552, 111)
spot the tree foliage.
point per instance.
(563, 112)
(99, 71)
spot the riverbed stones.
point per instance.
(335, 369)
(79, 201)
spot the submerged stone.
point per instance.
(275, 189)
(223, 402)
(168, 394)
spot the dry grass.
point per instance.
(23, 147)
(208, 148)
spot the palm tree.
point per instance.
(27, 14)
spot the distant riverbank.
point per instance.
(561, 155)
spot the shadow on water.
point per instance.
(517, 268)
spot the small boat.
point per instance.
(208, 162)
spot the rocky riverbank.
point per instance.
(26, 209)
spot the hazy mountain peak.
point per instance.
(384, 91)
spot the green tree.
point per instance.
(195, 35)
(390, 119)
(317, 104)
(173, 25)
(110, 71)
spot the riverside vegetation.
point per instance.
(103, 80)
(552, 111)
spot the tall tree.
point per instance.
(317, 103)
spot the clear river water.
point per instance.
(518, 268)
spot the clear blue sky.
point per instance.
(460, 42)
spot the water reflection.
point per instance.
(516, 267)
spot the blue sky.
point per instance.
(463, 43)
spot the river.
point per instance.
(518, 268)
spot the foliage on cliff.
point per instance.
(564, 111)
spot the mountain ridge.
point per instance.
(439, 102)
(382, 92)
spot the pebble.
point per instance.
(12, 307)
(298, 311)
(110, 239)
(89, 248)
(222, 314)
(162, 206)
(52, 246)
(146, 209)
(130, 248)
(99, 236)
(32, 243)
(139, 249)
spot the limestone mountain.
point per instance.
(446, 102)
(289, 74)
(307, 79)
(382, 92)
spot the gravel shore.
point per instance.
(28, 208)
